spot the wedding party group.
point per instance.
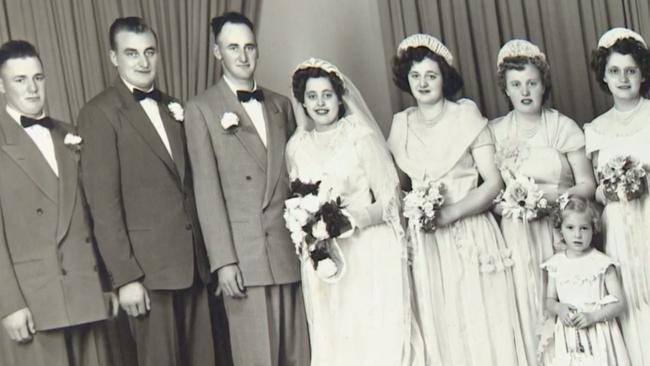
(454, 241)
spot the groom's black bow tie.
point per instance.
(141, 95)
(29, 122)
(245, 96)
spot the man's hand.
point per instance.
(134, 299)
(19, 325)
(231, 282)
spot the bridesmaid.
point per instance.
(621, 65)
(462, 277)
(543, 144)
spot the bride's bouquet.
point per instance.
(623, 179)
(522, 199)
(422, 203)
(315, 217)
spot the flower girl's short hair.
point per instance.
(577, 204)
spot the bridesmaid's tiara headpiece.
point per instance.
(319, 64)
(425, 40)
(519, 47)
(611, 36)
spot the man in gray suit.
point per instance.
(237, 132)
(51, 301)
(139, 185)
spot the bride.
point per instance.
(363, 316)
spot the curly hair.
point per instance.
(452, 82)
(580, 205)
(299, 84)
(519, 63)
(624, 46)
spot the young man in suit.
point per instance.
(138, 182)
(51, 300)
(237, 132)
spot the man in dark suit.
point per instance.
(237, 132)
(51, 300)
(139, 186)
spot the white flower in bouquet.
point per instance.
(421, 203)
(297, 236)
(293, 203)
(623, 179)
(522, 198)
(310, 203)
(319, 230)
(326, 268)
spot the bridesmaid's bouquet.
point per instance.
(422, 203)
(522, 199)
(623, 179)
(316, 217)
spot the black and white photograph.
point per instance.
(324, 183)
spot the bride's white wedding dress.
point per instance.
(365, 317)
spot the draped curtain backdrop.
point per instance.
(475, 30)
(72, 38)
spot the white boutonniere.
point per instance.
(229, 121)
(177, 111)
(73, 141)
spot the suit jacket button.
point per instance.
(63, 271)
(88, 240)
(248, 177)
(266, 233)
(188, 226)
(39, 211)
(95, 268)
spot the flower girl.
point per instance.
(585, 294)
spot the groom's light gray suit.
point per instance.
(240, 188)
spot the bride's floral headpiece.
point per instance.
(318, 64)
(428, 41)
(611, 36)
(519, 47)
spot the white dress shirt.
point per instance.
(41, 137)
(254, 110)
(150, 107)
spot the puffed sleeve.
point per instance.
(568, 137)
(484, 138)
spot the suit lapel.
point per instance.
(275, 147)
(246, 132)
(174, 131)
(68, 180)
(135, 114)
(22, 149)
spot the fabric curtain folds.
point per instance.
(475, 30)
(72, 38)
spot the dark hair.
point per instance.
(580, 205)
(299, 83)
(218, 22)
(128, 24)
(624, 46)
(519, 63)
(17, 49)
(452, 82)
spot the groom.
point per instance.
(236, 133)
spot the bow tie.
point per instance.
(246, 96)
(29, 122)
(141, 95)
